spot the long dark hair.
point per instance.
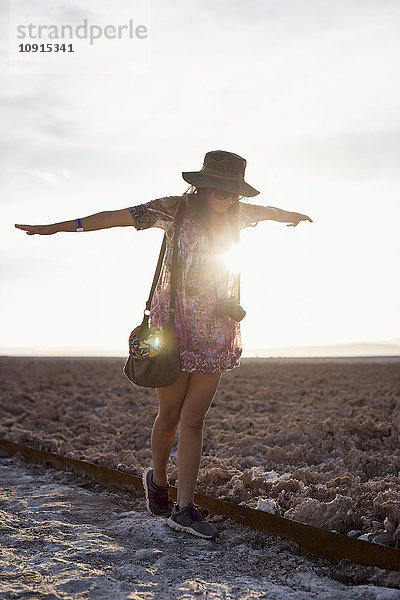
(201, 209)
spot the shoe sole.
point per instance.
(174, 525)
(144, 480)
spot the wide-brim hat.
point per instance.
(223, 171)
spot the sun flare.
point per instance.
(233, 259)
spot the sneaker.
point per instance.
(191, 520)
(158, 502)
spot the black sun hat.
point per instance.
(223, 171)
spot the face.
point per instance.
(220, 200)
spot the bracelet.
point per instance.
(79, 226)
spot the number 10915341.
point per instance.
(45, 48)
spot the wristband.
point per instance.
(79, 226)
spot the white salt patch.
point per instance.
(268, 505)
(267, 475)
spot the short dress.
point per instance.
(208, 344)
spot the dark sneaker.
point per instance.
(158, 502)
(191, 520)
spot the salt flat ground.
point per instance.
(64, 537)
(319, 438)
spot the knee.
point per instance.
(193, 422)
(168, 419)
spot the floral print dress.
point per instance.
(208, 344)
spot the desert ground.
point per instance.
(315, 440)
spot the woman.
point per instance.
(207, 315)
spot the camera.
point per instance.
(229, 307)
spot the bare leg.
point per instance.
(199, 396)
(170, 400)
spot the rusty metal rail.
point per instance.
(333, 546)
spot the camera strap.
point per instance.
(236, 287)
(236, 278)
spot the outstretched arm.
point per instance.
(101, 220)
(284, 216)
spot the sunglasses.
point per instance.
(221, 195)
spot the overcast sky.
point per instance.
(306, 90)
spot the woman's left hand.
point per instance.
(297, 217)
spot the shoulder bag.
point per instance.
(154, 359)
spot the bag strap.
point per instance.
(174, 264)
(157, 272)
(178, 222)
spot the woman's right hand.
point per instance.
(40, 229)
